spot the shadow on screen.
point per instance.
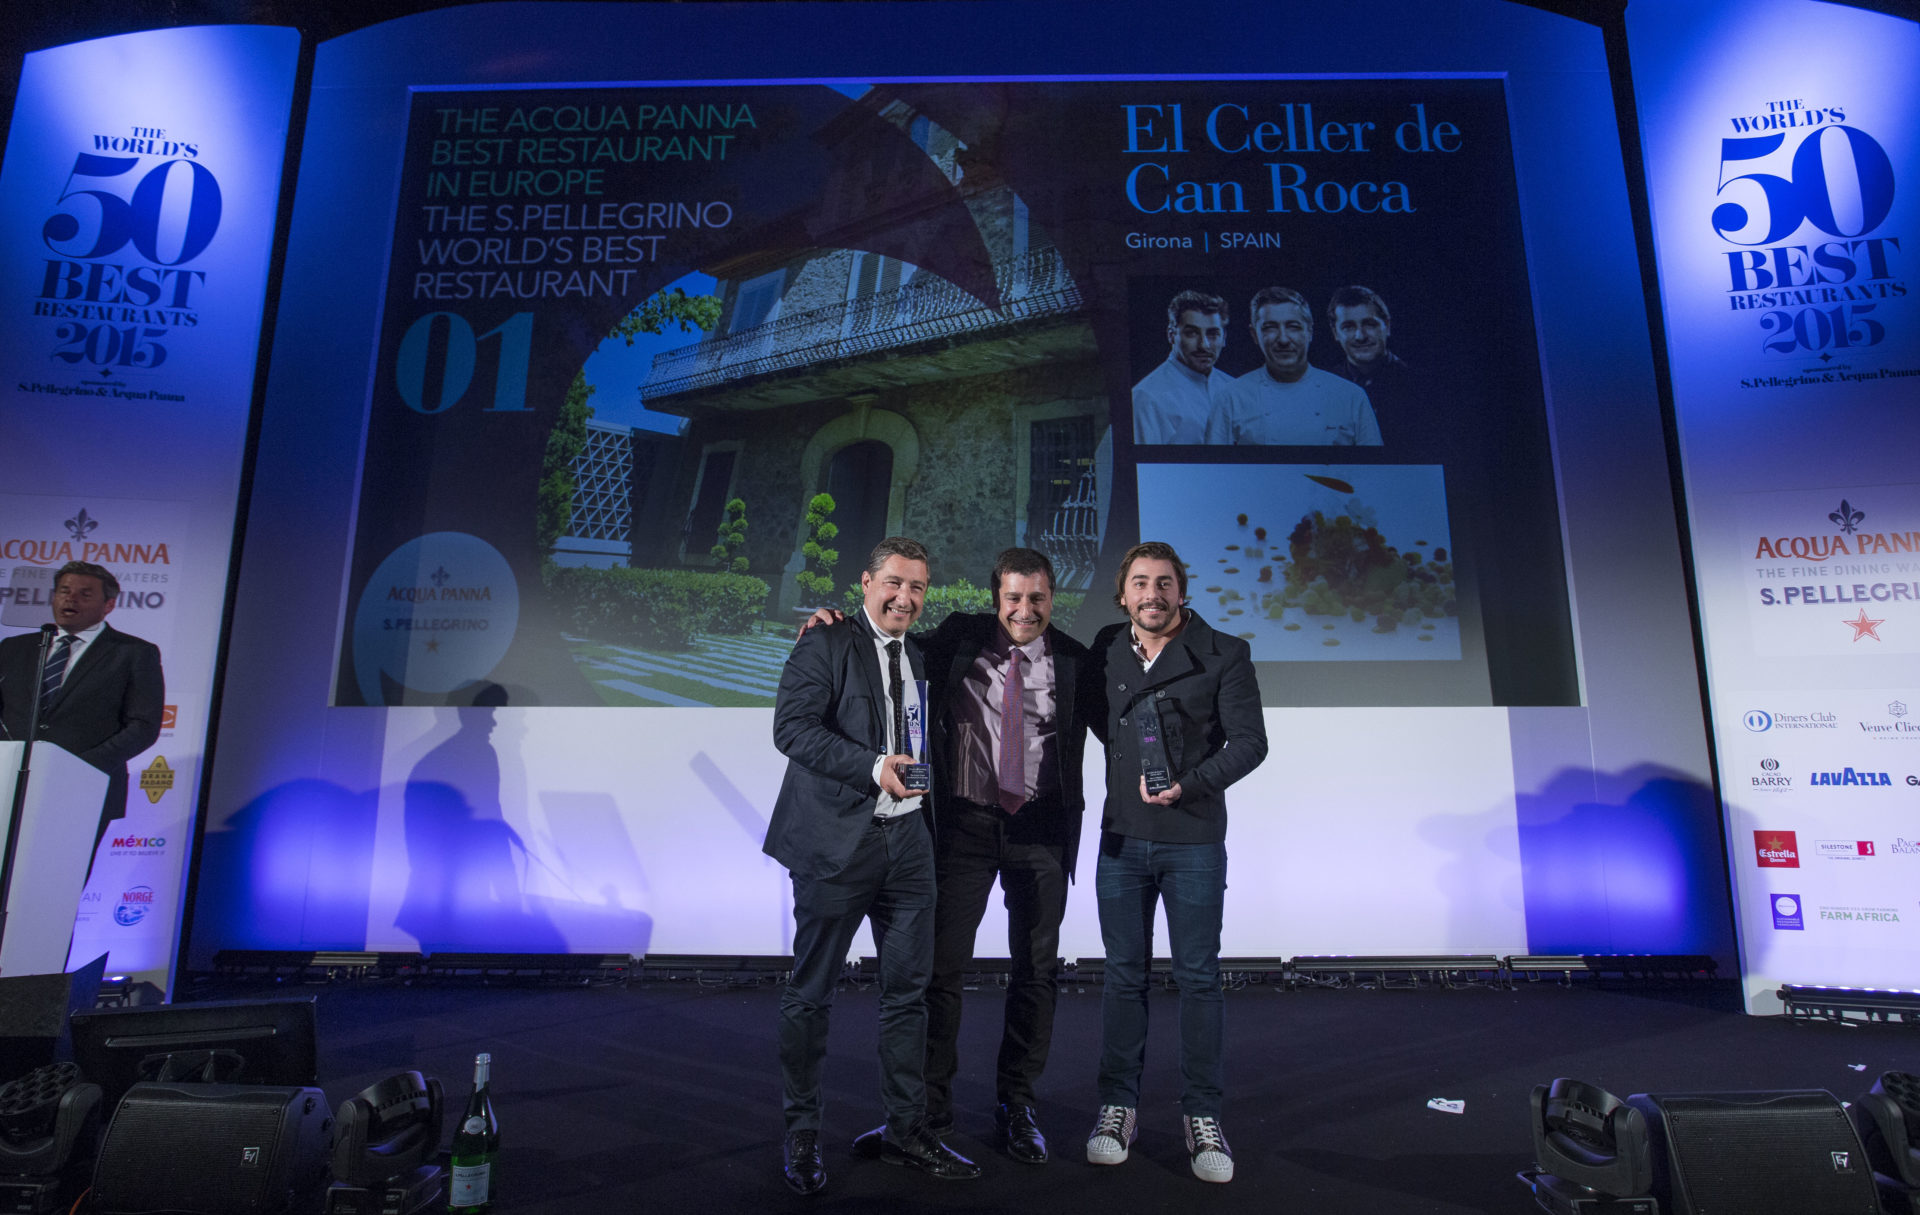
(292, 869)
(463, 884)
(1641, 873)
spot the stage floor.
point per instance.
(666, 1095)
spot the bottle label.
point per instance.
(470, 1185)
(474, 1126)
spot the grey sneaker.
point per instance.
(1207, 1145)
(1113, 1133)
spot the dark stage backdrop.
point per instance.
(586, 307)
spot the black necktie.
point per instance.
(56, 668)
(898, 692)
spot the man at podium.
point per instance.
(103, 692)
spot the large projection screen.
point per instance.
(940, 258)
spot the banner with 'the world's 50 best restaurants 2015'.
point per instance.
(137, 207)
(1786, 210)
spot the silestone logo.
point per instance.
(1843, 850)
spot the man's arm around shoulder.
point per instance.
(805, 718)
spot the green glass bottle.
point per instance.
(476, 1148)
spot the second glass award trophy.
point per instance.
(1153, 749)
(918, 775)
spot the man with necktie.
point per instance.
(859, 845)
(102, 694)
(1009, 740)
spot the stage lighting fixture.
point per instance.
(384, 1143)
(1396, 970)
(1817, 1002)
(567, 968)
(1592, 1151)
(721, 969)
(313, 966)
(49, 1124)
(1888, 1119)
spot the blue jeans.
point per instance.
(1192, 878)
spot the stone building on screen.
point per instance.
(844, 367)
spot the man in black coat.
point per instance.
(1165, 664)
(104, 688)
(1010, 812)
(859, 844)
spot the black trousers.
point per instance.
(976, 845)
(889, 879)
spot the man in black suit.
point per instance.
(1164, 664)
(858, 844)
(1009, 740)
(103, 692)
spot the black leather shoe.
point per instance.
(1020, 1134)
(806, 1173)
(867, 1146)
(922, 1149)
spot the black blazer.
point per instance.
(829, 720)
(951, 651)
(1210, 716)
(106, 712)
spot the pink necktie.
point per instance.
(1013, 743)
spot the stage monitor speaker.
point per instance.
(1761, 1153)
(215, 1149)
(34, 1015)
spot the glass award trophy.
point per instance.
(918, 775)
(1153, 749)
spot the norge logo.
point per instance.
(1776, 850)
(134, 906)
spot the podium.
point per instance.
(64, 795)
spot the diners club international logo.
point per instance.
(1801, 210)
(1776, 850)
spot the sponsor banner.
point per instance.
(1834, 572)
(137, 205)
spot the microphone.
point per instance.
(49, 629)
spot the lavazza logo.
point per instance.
(1770, 780)
(1851, 778)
